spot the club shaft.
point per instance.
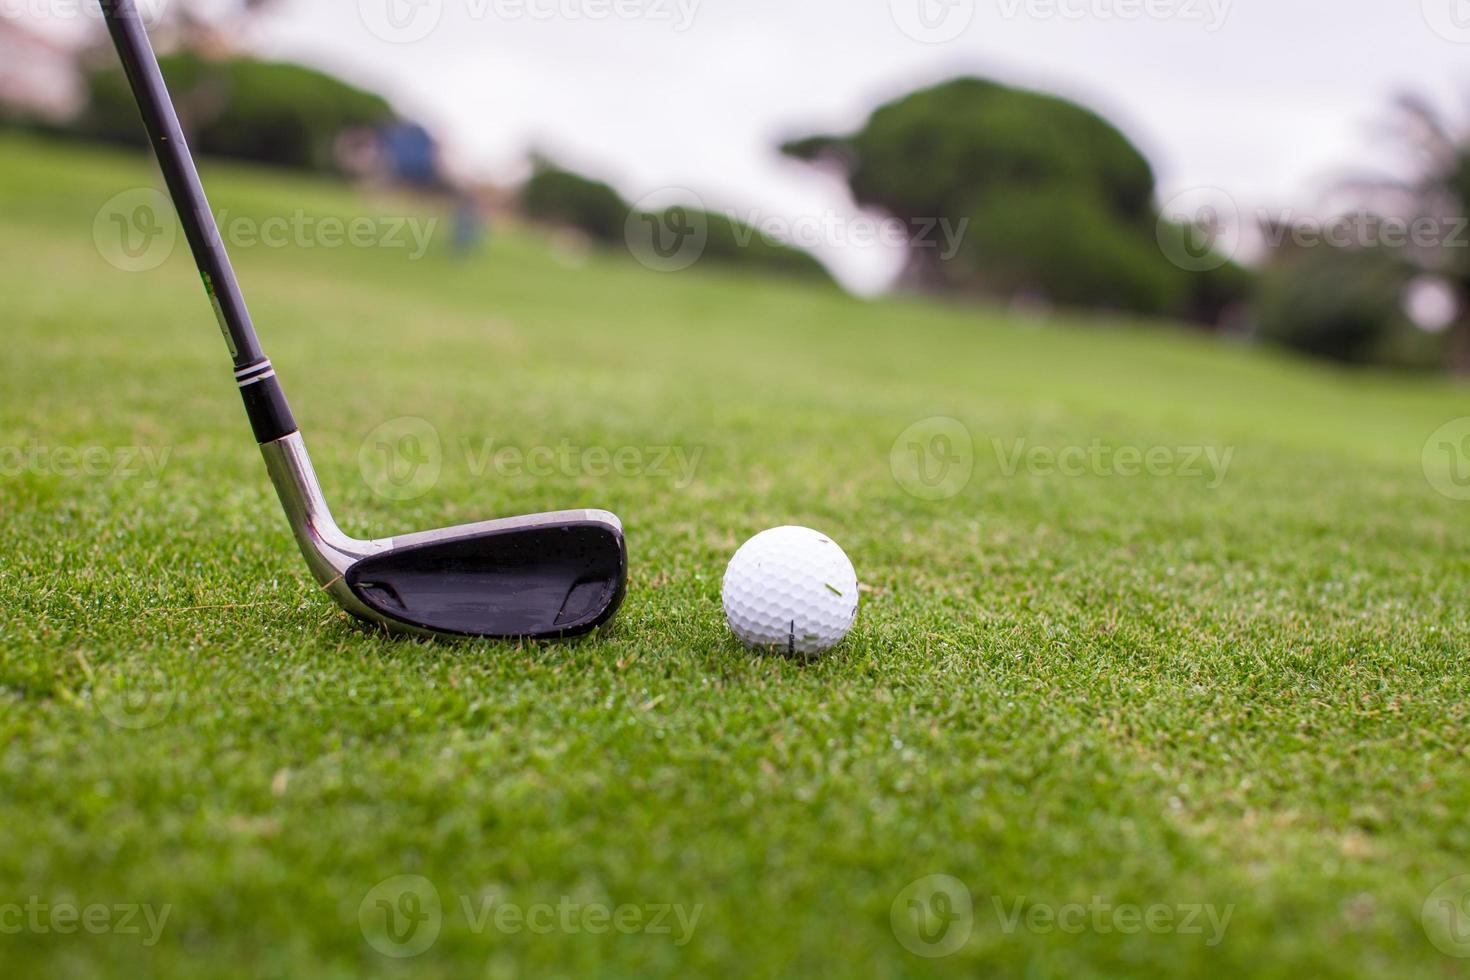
(270, 416)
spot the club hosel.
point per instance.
(265, 402)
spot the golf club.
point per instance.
(545, 576)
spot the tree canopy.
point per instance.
(1059, 203)
(269, 112)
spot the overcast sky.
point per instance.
(1268, 99)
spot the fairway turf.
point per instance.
(1146, 690)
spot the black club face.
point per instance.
(548, 581)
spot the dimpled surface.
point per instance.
(792, 589)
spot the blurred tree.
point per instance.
(1014, 248)
(1349, 301)
(1061, 203)
(734, 242)
(1440, 192)
(268, 112)
(936, 151)
(1220, 292)
(230, 104)
(561, 197)
(1340, 303)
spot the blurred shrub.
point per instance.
(268, 112)
(1060, 202)
(736, 243)
(1345, 304)
(1217, 294)
(561, 197)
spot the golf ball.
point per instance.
(791, 589)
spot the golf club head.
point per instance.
(550, 576)
(545, 576)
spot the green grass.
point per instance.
(1143, 688)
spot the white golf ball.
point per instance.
(791, 589)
